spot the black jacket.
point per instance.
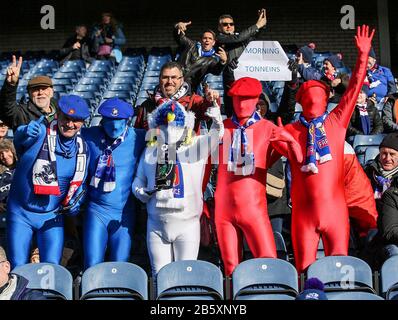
(389, 116)
(388, 215)
(278, 206)
(195, 67)
(376, 124)
(85, 52)
(234, 44)
(23, 293)
(15, 114)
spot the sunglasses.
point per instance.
(225, 24)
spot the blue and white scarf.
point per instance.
(365, 121)
(203, 53)
(317, 143)
(106, 170)
(383, 181)
(242, 162)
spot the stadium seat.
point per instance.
(53, 280)
(320, 253)
(117, 80)
(99, 74)
(362, 142)
(342, 273)
(190, 280)
(125, 95)
(95, 120)
(371, 153)
(151, 74)
(127, 74)
(356, 295)
(87, 87)
(389, 278)
(114, 281)
(280, 246)
(121, 87)
(264, 279)
(86, 80)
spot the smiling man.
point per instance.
(40, 101)
(48, 181)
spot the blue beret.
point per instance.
(74, 107)
(115, 108)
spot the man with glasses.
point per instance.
(173, 87)
(234, 43)
(40, 102)
(13, 286)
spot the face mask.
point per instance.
(244, 107)
(114, 127)
(314, 103)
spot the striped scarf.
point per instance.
(317, 143)
(241, 161)
(44, 175)
(365, 121)
(160, 98)
(383, 181)
(203, 53)
(106, 170)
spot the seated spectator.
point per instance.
(108, 37)
(8, 161)
(78, 46)
(390, 114)
(381, 80)
(365, 119)
(3, 130)
(303, 60)
(198, 58)
(172, 86)
(383, 170)
(13, 286)
(313, 290)
(40, 102)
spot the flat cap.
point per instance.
(40, 81)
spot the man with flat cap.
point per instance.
(48, 181)
(40, 102)
(115, 149)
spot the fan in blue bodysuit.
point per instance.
(48, 181)
(115, 149)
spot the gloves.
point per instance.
(214, 113)
(34, 128)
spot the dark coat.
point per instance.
(85, 52)
(278, 206)
(23, 293)
(388, 215)
(14, 113)
(389, 116)
(376, 124)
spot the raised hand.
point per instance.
(363, 39)
(262, 18)
(34, 127)
(182, 26)
(212, 95)
(280, 134)
(222, 55)
(14, 70)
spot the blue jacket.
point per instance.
(21, 197)
(23, 293)
(382, 82)
(125, 156)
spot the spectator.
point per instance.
(78, 46)
(8, 161)
(383, 170)
(108, 38)
(110, 214)
(172, 86)
(303, 60)
(314, 289)
(40, 102)
(381, 80)
(234, 43)
(3, 130)
(51, 172)
(390, 114)
(13, 286)
(366, 119)
(198, 58)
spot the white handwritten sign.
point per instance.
(265, 61)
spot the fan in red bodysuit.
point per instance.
(319, 204)
(240, 197)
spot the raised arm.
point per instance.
(345, 108)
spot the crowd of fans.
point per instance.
(182, 81)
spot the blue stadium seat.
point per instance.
(371, 153)
(53, 280)
(65, 82)
(59, 88)
(121, 87)
(280, 246)
(129, 80)
(342, 273)
(190, 280)
(320, 253)
(216, 86)
(358, 296)
(152, 74)
(362, 142)
(88, 95)
(389, 278)
(127, 74)
(65, 75)
(264, 279)
(130, 67)
(213, 78)
(100, 68)
(114, 281)
(99, 74)
(87, 87)
(125, 95)
(85, 80)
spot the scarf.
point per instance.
(383, 181)
(45, 181)
(9, 288)
(317, 143)
(160, 98)
(106, 170)
(241, 161)
(203, 53)
(365, 121)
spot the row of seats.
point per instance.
(344, 277)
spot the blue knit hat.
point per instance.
(313, 290)
(372, 53)
(308, 52)
(74, 107)
(336, 60)
(114, 108)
